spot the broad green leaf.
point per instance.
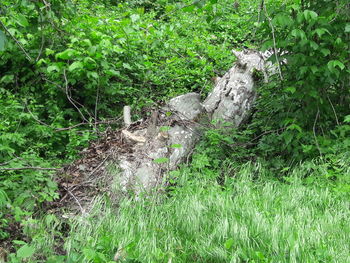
(164, 128)
(53, 68)
(347, 119)
(307, 148)
(188, 8)
(92, 74)
(25, 251)
(161, 160)
(333, 63)
(89, 61)
(325, 51)
(314, 69)
(41, 61)
(67, 54)
(347, 28)
(338, 41)
(3, 198)
(22, 20)
(295, 127)
(314, 45)
(87, 42)
(169, 8)
(49, 52)
(176, 146)
(298, 33)
(282, 20)
(7, 79)
(2, 40)
(266, 45)
(310, 15)
(113, 72)
(290, 89)
(320, 31)
(76, 65)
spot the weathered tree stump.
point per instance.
(174, 130)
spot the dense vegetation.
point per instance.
(68, 67)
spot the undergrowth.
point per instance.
(247, 217)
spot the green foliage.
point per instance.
(301, 116)
(247, 217)
(67, 63)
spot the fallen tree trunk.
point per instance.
(173, 131)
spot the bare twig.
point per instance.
(88, 123)
(110, 121)
(314, 132)
(42, 39)
(104, 160)
(17, 42)
(274, 41)
(335, 113)
(70, 98)
(34, 117)
(96, 107)
(261, 7)
(82, 210)
(337, 12)
(267, 132)
(7, 162)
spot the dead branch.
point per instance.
(82, 210)
(261, 8)
(70, 98)
(133, 137)
(335, 113)
(96, 106)
(7, 162)
(274, 40)
(89, 123)
(314, 132)
(42, 39)
(104, 160)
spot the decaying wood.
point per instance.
(152, 127)
(158, 150)
(133, 137)
(127, 116)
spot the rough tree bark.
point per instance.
(174, 130)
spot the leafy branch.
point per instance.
(17, 42)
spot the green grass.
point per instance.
(244, 220)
